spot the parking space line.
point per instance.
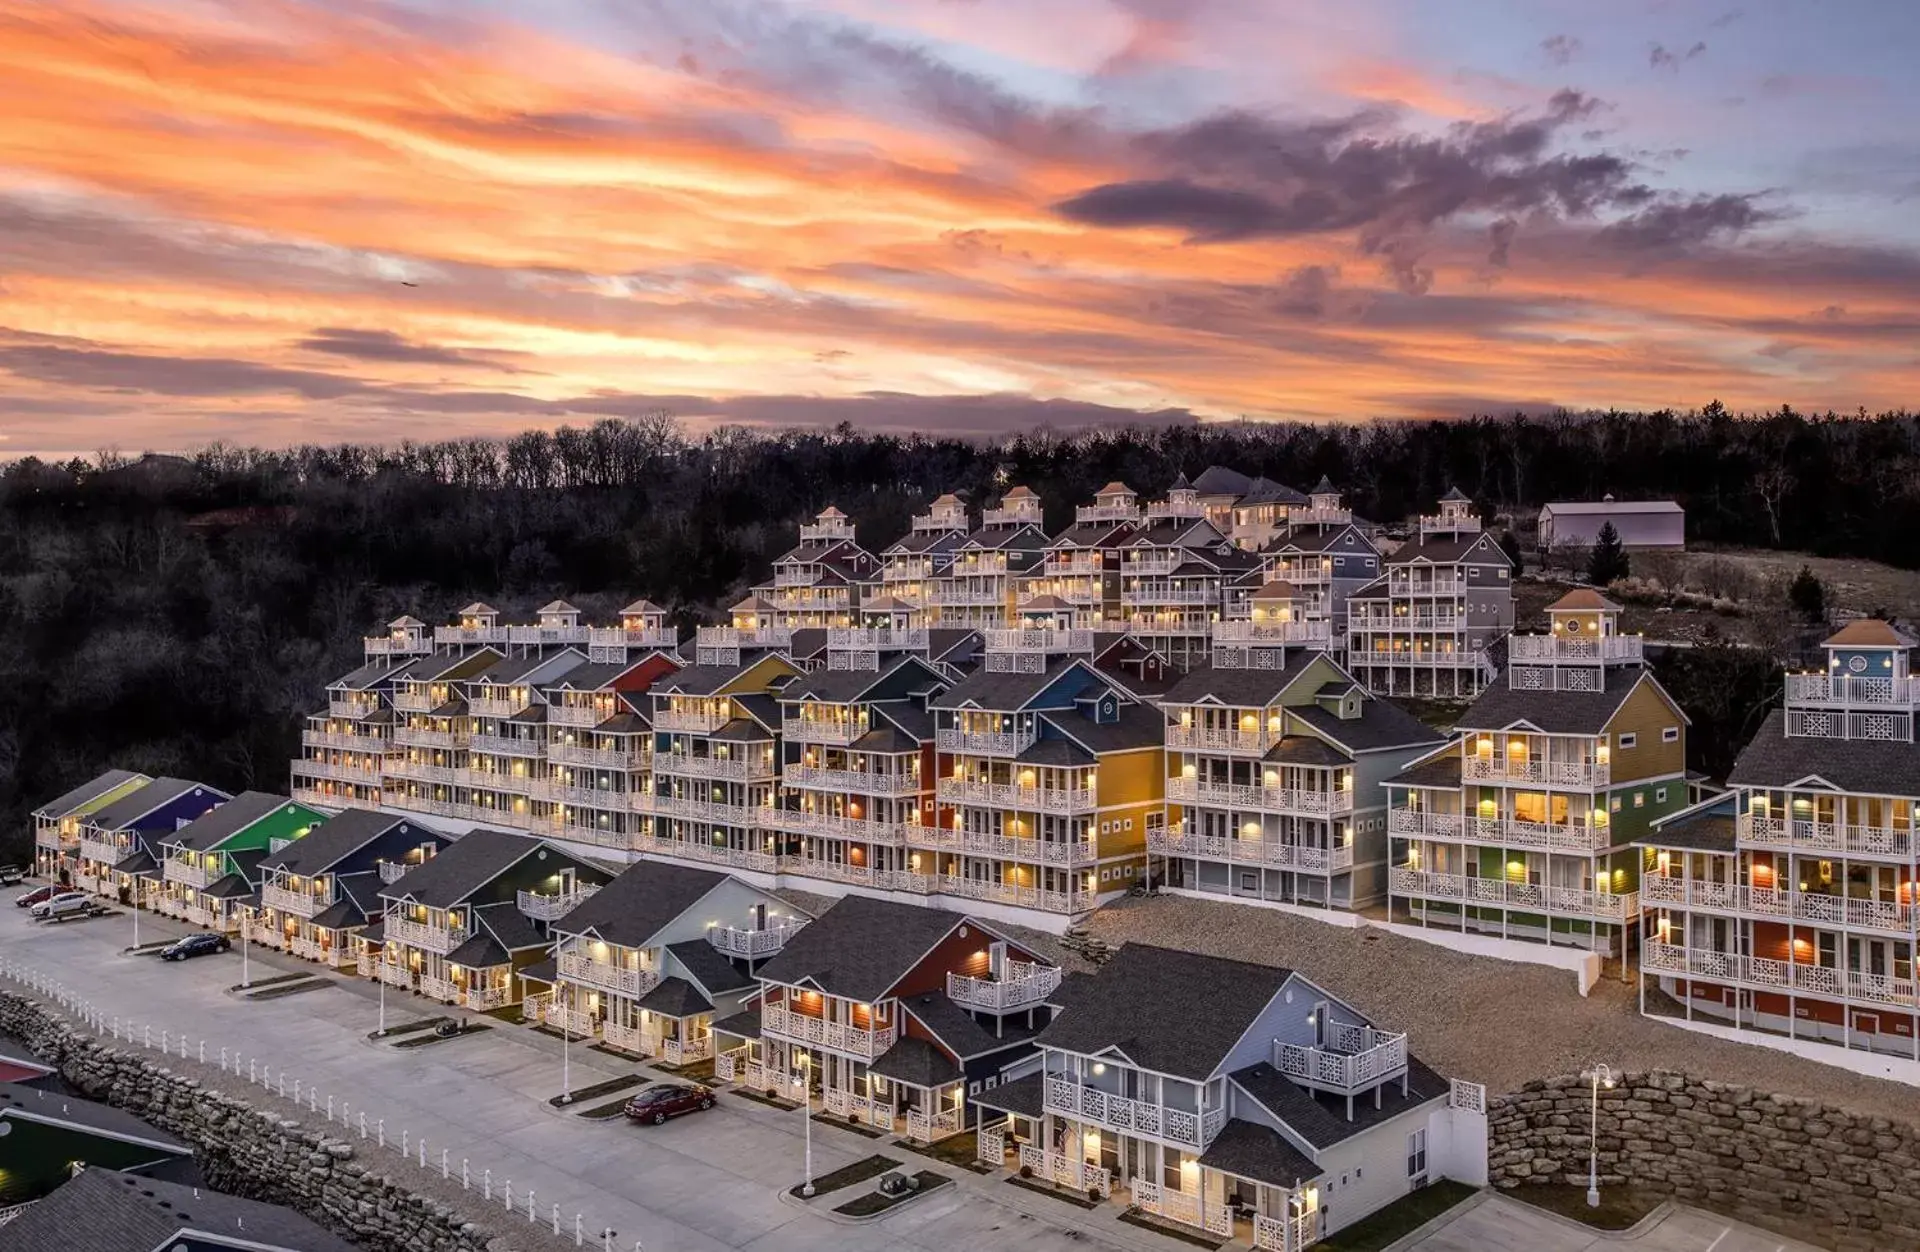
(1721, 1237)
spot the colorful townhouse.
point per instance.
(1446, 597)
(891, 1015)
(1240, 1101)
(343, 750)
(648, 964)
(1080, 570)
(210, 868)
(1523, 827)
(917, 563)
(817, 583)
(1324, 556)
(1786, 907)
(428, 768)
(1048, 785)
(458, 926)
(979, 589)
(506, 721)
(1274, 783)
(56, 824)
(1174, 571)
(595, 784)
(118, 856)
(318, 892)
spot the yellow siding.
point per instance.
(1644, 715)
(1132, 787)
(1311, 679)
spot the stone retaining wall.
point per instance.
(1808, 1170)
(245, 1151)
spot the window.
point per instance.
(992, 1083)
(1417, 1155)
(1129, 823)
(1639, 799)
(1340, 562)
(1629, 739)
(973, 1088)
(1129, 871)
(1614, 806)
(1670, 735)
(1659, 795)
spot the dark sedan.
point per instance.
(657, 1104)
(35, 896)
(195, 945)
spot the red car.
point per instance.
(35, 896)
(670, 1099)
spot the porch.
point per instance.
(918, 1097)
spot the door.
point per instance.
(759, 917)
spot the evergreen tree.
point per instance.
(1608, 560)
(1510, 544)
(1808, 595)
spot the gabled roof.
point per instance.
(675, 997)
(635, 907)
(1867, 632)
(28, 1103)
(476, 608)
(1578, 507)
(861, 947)
(464, 866)
(210, 829)
(1218, 480)
(366, 676)
(957, 1030)
(1708, 826)
(1438, 769)
(639, 607)
(1239, 688)
(593, 676)
(1448, 551)
(1500, 707)
(339, 837)
(1004, 692)
(557, 606)
(916, 1063)
(67, 801)
(1136, 727)
(1266, 491)
(1172, 1012)
(1873, 766)
(536, 669)
(1456, 495)
(1382, 724)
(709, 969)
(1305, 750)
(104, 1210)
(1326, 539)
(129, 809)
(1321, 1120)
(1258, 1153)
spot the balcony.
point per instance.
(50, 836)
(546, 636)
(1185, 1208)
(1042, 640)
(467, 636)
(188, 873)
(418, 737)
(1604, 648)
(508, 745)
(1801, 834)
(868, 782)
(623, 980)
(542, 907)
(353, 710)
(743, 637)
(1193, 1129)
(835, 825)
(727, 768)
(1163, 593)
(596, 758)
(752, 944)
(394, 975)
(1605, 906)
(1764, 972)
(1014, 796)
(424, 935)
(1315, 633)
(1585, 775)
(799, 600)
(877, 639)
(1047, 901)
(1507, 832)
(794, 1027)
(296, 903)
(584, 797)
(1387, 623)
(1311, 801)
(1847, 691)
(445, 990)
(1820, 908)
(1420, 822)
(103, 850)
(371, 745)
(580, 715)
(420, 771)
(497, 706)
(837, 731)
(1088, 513)
(1066, 852)
(1220, 738)
(692, 721)
(611, 638)
(985, 742)
(394, 871)
(1353, 1058)
(708, 853)
(1308, 858)
(1023, 986)
(416, 701)
(367, 775)
(1399, 585)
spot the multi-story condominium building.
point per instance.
(1049, 781)
(432, 732)
(1251, 511)
(1265, 627)
(1240, 1100)
(475, 626)
(1080, 570)
(506, 748)
(1423, 629)
(1787, 906)
(979, 589)
(344, 749)
(912, 567)
(1523, 826)
(857, 772)
(457, 926)
(643, 629)
(818, 582)
(752, 628)
(56, 824)
(318, 892)
(210, 868)
(716, 762)
(1325, 556)
(118, 857)
(650, 962)
(1274, 780)
(406, 637)
(596, 784)
(891, 1015)
(1174, 571)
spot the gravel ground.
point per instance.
(1496, 1022)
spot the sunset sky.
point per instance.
(269, 221)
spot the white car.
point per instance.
(61, 905)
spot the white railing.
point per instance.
(1004, 847)
(872, 782)
(546, 636)
(799, 1028)
(882, 638)
(543, 907)
(1181, 1206)
(469, 634)
(1024, 985)
(1194, 1129)
(371, 745)
(1179, 841)
(508, 745)
(1568, 648)
(481, 999)
(1609, 906)
(626, 1038)
(684, 1051)
(927, 1128)
(297, 903)
(985, 742)
(496, 706)
(410, 702)
(633, 637)
(393, 974)
(428, 938)
(739, 637)
(1308, 632)
(355, 709)
(187, 873)
(441, 989)
(1167, 593)
(950, 595)
(730, 1066)
(1388, 623)
(692, 721)
(1423, 822)
(598, 758)
(1065, 1171)
(1833, 910)
(809, 822)
(1042, 640)
(1848, 690)
(1023, 897)
(1533, 769)
(1354, 1058)
(1401, 585)
(1804, 834)
(102, 851)
(1015, 796)
(1767, 972)
(534, 1006)
(1319, 517)
(577, 1022)
(1551, 836)
(837, 731)
(619, 979)
(735, 768)
(1220, 738)
(737, 941)
(1312, 801)
(419, 771)
(340, 771)
(421, 737)
(990, 1146)
(588, 715)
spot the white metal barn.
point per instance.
(1643, 525)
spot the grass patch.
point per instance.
(551, 1033)
(425, 1023)
(1076, 1198)
(700, 1071)
(1620, 1207)
(1170, 1230)
(289, 989)
(605, 1112)
(769, 1101)
(873, 1202)
(615, 1053)
(424, 1040)
(608, 1087)
(956, 1150)
(861, 1170)
(268, 982)
(1409, 1213)
(848, 1123)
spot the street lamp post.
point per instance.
(806, 1111)
(380, 972)
(566, 1049)
(1599, 1076)
(136, 917)
(246, 966)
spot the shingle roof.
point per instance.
(138, 864)
(131, 808)
(745, 1024)
(1022, 1097)
(1266, 491)
(479, 952)
(26, 1102)
(703, 680)
(634, 907)
(68, 801)
(509, 927)
(1440, 771)
(1443, 551)
(1322, 1120)
(675, 997)
(1258, 1153)
(1868, 632)
(1138, 726)
(1240, 688)
(1381, 724)
(742, 730)
(917, 1063)
(1877, 767)
(861, 947)
(1705, 831)
(590, 677)
(207, 831)
(991, 689)
(102, 1210)
(1581, 600)
(1555, 712)
(1218, 480)
(957, 1030)
(1056, 751)
(913, 720)
(1305, 750)
(338, 837)
(1175, 1012)
(710, 968)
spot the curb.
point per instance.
(1434, 1224)
(1661, 1212)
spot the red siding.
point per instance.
(645, 674)
(954, 955)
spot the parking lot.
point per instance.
(1499, 1224)
(707, 1181)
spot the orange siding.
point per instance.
(955, 955)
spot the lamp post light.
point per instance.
(1598, 1076)
(566, 1048)
(380, 972)
(246, 967)
(806, 1112)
